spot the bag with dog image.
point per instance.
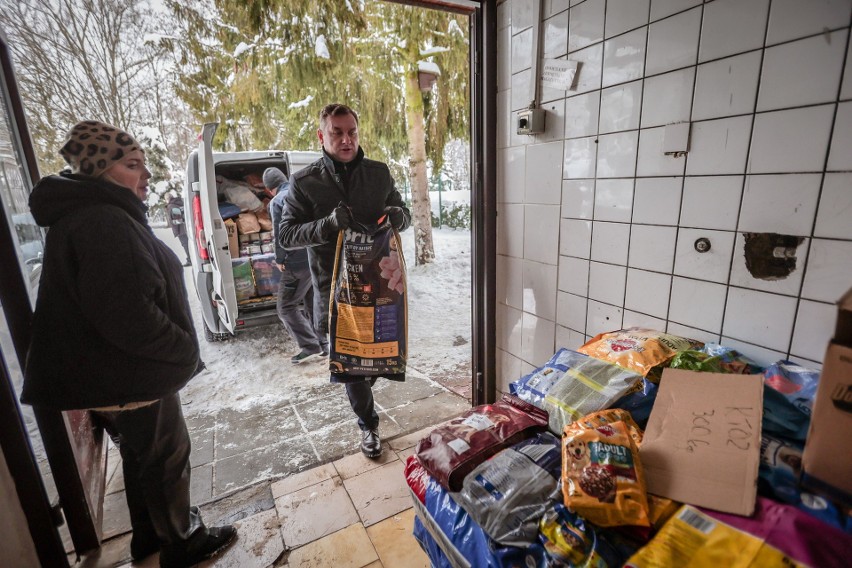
(602, 478)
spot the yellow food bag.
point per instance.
(602, 479)
(637, 349)
(694, 539)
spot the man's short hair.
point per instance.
(335, 109)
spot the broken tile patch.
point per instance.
(258, 543)
(238, 505)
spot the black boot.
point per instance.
(371, 444)
(203, 544)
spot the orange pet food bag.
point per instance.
(602, 479)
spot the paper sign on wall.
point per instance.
(702, 443)
(558, 73)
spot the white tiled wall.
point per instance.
(597, 225)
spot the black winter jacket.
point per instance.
(112, 323)
(366, 186)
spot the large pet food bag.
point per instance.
(368, 310)
(454, 449)
(776, 536)
(571, 385)
(636, 348)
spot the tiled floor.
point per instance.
(349, 513)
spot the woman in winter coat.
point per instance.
(113, 333)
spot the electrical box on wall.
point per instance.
(531, 121)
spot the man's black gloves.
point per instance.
(339, 220)
(396, 215)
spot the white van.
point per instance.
(211, 257)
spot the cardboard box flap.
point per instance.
(702, 443)
(843, 330)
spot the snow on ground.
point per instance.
(254, 369)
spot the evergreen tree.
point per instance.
(263, 70)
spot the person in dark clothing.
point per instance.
(112, 333)
(296, 296)
(177, 220)
(323, 199)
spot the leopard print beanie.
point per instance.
(92, 147)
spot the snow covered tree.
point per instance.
(263, 70)
(75, 60)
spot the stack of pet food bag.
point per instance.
(640, 449)
(243, 206)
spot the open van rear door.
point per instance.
(216, 236)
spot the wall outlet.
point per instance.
(531, 121)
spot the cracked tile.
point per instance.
(258, 543)
(315, 512)
(380, 493)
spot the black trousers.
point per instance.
(360, 395)
(154, 445)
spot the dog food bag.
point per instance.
(571, 385)
(416, 477)
(507, 494)
(775, 536)
(455, 448)
(602, 478)
(368, 312)
(243, 279)
(636, 348)
(569, 540)
(266, 274)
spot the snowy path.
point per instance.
(254, 369)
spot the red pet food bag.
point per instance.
(454, 449)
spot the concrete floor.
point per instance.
(296, 484)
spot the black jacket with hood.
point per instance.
(366, 186)
(112, 323)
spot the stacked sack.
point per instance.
(551, 474)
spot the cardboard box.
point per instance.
(702, 443)
(233, 241)
(827, 460)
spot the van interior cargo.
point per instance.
(243, 204)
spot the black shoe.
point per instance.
(202, 545)
(324, 352)
(143, 545)
(187, 263)
(305, 355)
(371, 444)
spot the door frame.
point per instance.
(75, 448)
(482, 16)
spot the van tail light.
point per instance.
(198, 221)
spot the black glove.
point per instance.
(396, 215)
(339, 219)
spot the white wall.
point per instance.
(596, 226)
